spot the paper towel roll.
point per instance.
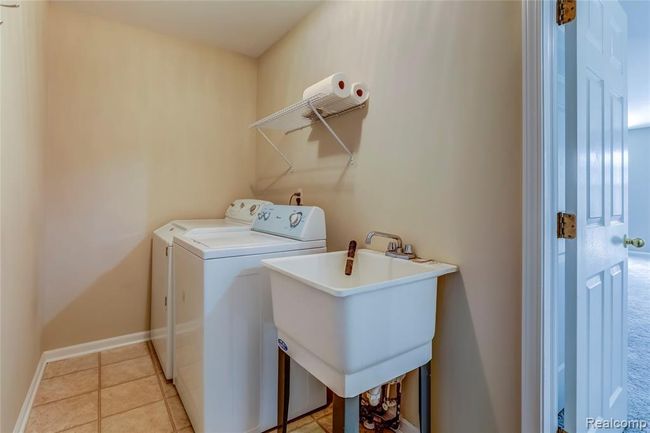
(335, 85)
(359, 91)
(357, 95)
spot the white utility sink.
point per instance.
(355, 332)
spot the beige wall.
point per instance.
(438, 161)
(21, 147)
(142, 128)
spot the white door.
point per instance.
(596, 289)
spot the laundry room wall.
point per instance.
(22, 127)
(142, 128)
(438, 157)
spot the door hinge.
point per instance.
(565, 11)
(566, 225)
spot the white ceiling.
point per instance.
(638, 24)
(249, 27)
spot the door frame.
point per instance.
(538, 367)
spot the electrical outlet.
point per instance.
(297, 194)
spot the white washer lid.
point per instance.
(233, 244)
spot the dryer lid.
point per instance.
(186, 225)
(178, 227)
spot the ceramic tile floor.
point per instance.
(116, 391)
(319, 422)
(122, 390)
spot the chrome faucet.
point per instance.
(395, 248)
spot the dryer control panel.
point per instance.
(303, 223)
(245, 210)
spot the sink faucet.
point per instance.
(395, 248)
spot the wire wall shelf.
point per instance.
(302, 115)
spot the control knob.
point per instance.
(294, 219)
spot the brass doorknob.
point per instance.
(635, 242)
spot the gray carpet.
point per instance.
(639, 338)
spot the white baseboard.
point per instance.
(23, 415)
(69, 352)
(407, 427)
(95, 346)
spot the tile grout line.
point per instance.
(162, 388)
(167, 408)
(99, 363)
(73, 427)
(133, 408)
(98, 390)
(321, 425)
(63, 398)
(88, 392)
(129, 381)
(125, 359)
(110, 364)
(67, 374)
(77, 425)
(134, 380)
(137, 378)
(99, 366)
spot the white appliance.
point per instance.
(239, 216)
(225, 366)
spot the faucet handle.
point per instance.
(408, 249)
(392, 246)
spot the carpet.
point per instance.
(639, 339)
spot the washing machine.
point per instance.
(239, 216)
(226, 357)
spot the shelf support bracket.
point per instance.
(276, 148)
(331, 131)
